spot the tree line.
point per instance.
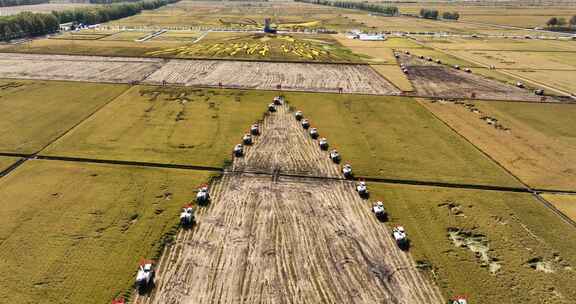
(28, 24)
(5, 3)
(365, 6)
(434, 14)
(560, 23)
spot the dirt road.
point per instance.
(277, 239)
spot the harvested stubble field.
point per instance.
(34, 113)
(74, 233)
(166, 125)
(76, 68)
(495, 247)
(539, 145)
(396, 138)
(563, 202)
(359, 79)
(292, 240)
(435, 80)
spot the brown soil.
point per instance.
(278, 239)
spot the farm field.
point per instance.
(37, 112)
(352, 78)
(502, 44)
(523, 60)
(394, 74)
(166, 125)
(494, 247)
(6, 162)
(564, 202)
(41, 8)
(76, 68)
(396, 138)
(561, 79)
(536, 142)
(83, 227)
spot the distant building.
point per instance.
(367, 37)
(68, 26)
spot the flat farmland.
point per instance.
(76, 68)
(561, 79)
(377, 51)
(359, 79)
(6, 162)
(34, 113)
(537, 142)
(394, 74)
(494, 247)
(502, 44)
(41, 8)
(563, 202)
(74, 233)
(523, 60)
(396, 138)
(166, 125)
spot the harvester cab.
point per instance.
(323, 143)
(298, 115)
(203, 195)
(335, 156)
(272, 107)
(255, 129)
(520, 84)
(438, 61)
(187, 216)
(238, 150)
(400, 237)
(305, 124)
(145, 276)
(247, 139)
(314, 133)
(278, 100)
(379, 211)
(467, 70)
(347, 171)
(428, 58)
(362, 189)
(456, 66)
(539, 92)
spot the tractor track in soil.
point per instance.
(281, 239)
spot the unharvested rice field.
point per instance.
(494, 247)
(563, 202)
(536, 142)
(288, 239)
(34, 113)
(74, 233)
(437, 80)
(76, 68)
(6, 162)
(359, 79)
(166, 125)
(396, 138)
(394, 74)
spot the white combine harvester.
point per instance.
(247, 139)
(467, 70)
(187, 216)
(347, 171)
(323, 143)
(400, 237)
(438, 61)
(305, 123)
(255, 129)
(539, 92)
(278, 100)
(238, 150)
(272, 107)
(458, 300)
(298, 115)
(456, 66)
(314, 133)
(335, 156)
(362, 189)
(145, 276)
(520, 84)
(379, 211)
(203, 196)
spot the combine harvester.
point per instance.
(400, 237)
(314, 133)
(380, 212)
(187, 218)
(247, 139)
(362, 190)
(203, 196)
(323, 143)
(335, 156)
(458, 300)
(238, 150)
(255, 130)
(347, 171)
(278, 100)
(305, 124)
(272, 108)
(145, 276)
(298, 115)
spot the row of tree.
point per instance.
(561, 23)
(434, 14)
(4, 3)
(27, 24)
(365, 6)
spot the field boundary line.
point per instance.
(527, 188)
